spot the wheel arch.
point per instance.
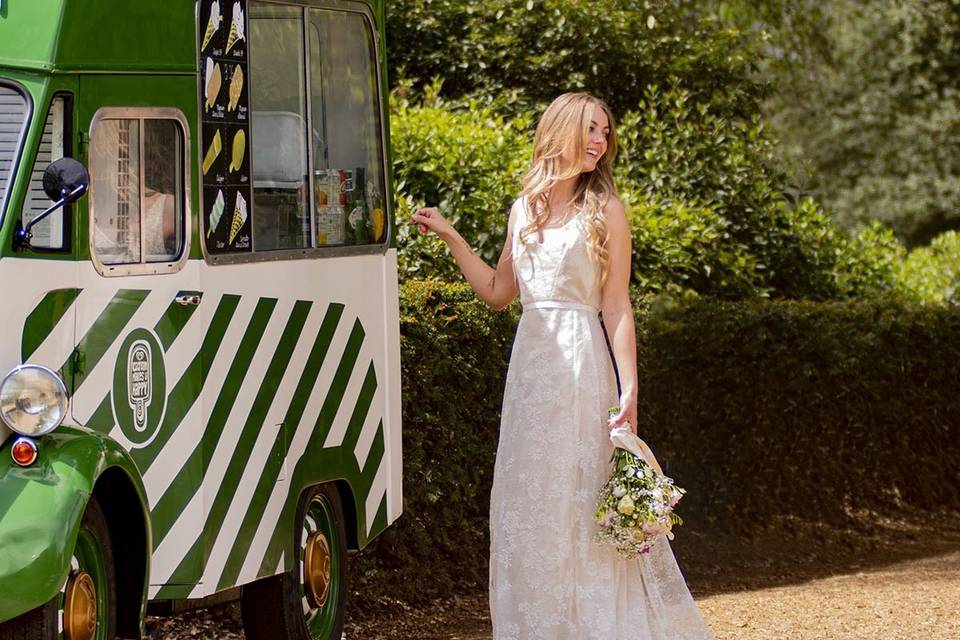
(118, 496)
(349, 506)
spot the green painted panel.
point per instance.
(184, 486)
(28, 32)
(145, 35)
(186, 391)
(44, 318)
(103, 333)
(40, 511)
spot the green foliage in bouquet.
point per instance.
(636, 505)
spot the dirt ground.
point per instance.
(885, 578)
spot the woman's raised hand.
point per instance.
(429, 219)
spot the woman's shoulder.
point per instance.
(615, 207)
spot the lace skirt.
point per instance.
(548, 579)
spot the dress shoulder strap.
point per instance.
(521, 220)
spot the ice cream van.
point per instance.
(200, 358)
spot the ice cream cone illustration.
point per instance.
(238, 151)
(239, 217)
(216, 146)
(214, 81)
(212, 24)
(216, 213)
(236, 28)
(236, 88)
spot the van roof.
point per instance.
(103, 35)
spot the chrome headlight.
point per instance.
(33, 400)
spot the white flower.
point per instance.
(619, 491)
(626, 505)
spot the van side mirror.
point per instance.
(64, 181)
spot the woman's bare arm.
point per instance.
(618, 312)
(495, 286)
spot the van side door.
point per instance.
(139, 326)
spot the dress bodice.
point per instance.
(559, 268)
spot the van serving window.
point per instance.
(13, 116)
(137, 194)
(49, 232)
(308, 78)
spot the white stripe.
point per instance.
(342, 420)
(58, 345)
(377, 489)
(298, 445)
(170, 553)
(370, 424)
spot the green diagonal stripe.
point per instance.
(44, 318)
(185, 485)
(102, 417)
(173, 320)
(187, 389)
(261, 496)
(104, 331)
(248, 437)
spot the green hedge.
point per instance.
(760, 409)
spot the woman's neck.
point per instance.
(562, 193)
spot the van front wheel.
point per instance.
(308, 602)
(85, 608)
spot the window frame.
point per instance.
(6, 198)
(186, 214)
(336, 251)
(67, 210)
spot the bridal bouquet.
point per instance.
(636, 504)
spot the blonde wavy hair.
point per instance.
(564, 129)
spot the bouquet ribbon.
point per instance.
(623, 438)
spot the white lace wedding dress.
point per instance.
(548, 579)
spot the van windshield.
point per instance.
(13, 118)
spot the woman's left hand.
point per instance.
(627, 414)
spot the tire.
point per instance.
(280, 607)
(92, 555)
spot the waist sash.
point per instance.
(560, 304)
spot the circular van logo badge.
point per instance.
(139, 386)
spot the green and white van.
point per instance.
(200, 314)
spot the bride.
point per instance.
(567, 254)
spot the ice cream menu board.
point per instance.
(225, 125)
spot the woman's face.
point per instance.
(596, 142)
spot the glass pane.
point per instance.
(162, 189)
(348, 180)
(115, 172)
(281, 216)
(13, 116)
(47, 233)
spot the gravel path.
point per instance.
(915, 599)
